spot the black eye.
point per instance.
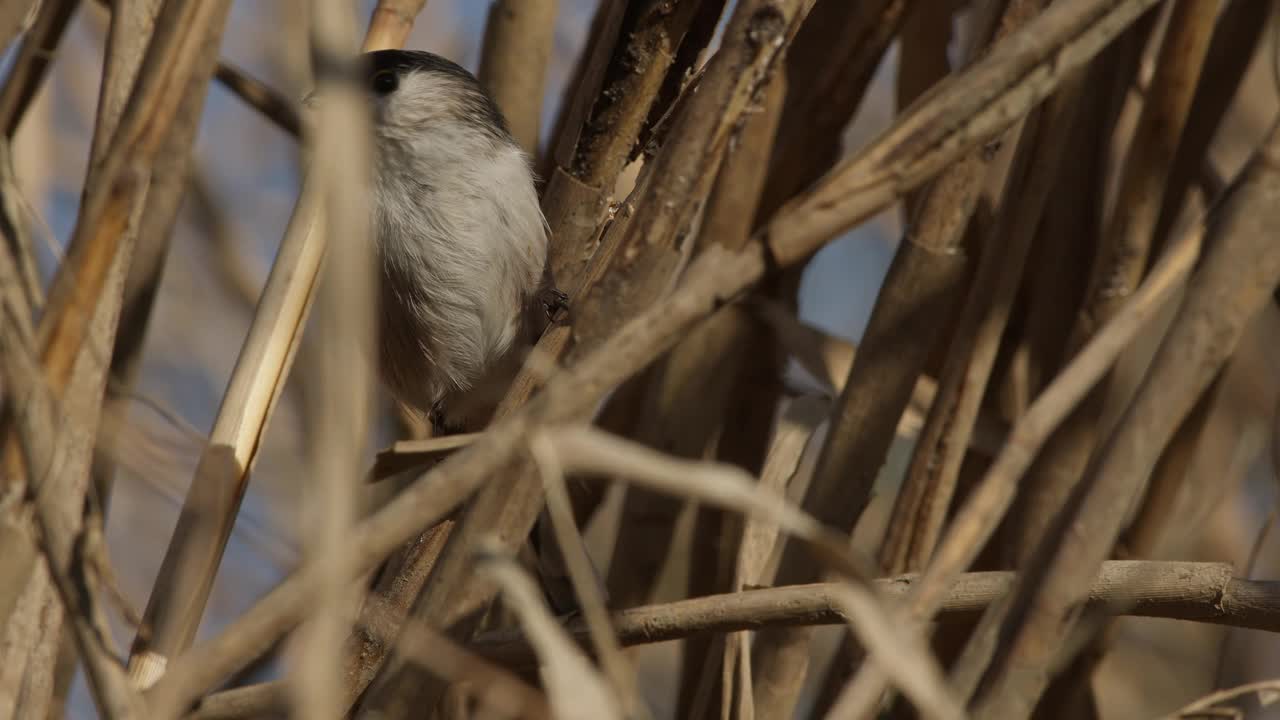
(385, 82)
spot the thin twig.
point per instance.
(575, 689)
(261, 97)
(586, 584)
(1206, 703)
(1199, 592)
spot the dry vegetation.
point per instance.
(1060, 412)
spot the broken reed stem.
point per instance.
(89, 284)
(191, 561)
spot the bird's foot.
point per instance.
(554, 302)
(440, 423)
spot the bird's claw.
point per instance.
(440, 423)
(554, 302)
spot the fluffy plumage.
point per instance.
(460, 235)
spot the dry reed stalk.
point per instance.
(954, 119)
(628, 79)
(492, 686)
(391, 23)
(914, 305)
(1236, 37)
(982, 511)
(583, 87)
(518, 41)
(343, 376)
(164, 197)
(586, 586)
(1074, 225)
(253, 92)
(689, 389)
(1126, 243)
(87, 290)
(575, 690)
(37, 417)
(282, 112)
(1238, 275)
(685, 68)
(897, 647)
(1204, 707)
(154, 230)
(32, 61)
(825, 90)
(23, 293)
(134, 120)
(758, 540)
(705, 385)
(1196, 591)
(33, 656)
(195, 551)
(925, 500)
(922, 62)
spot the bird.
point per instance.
(460, 237)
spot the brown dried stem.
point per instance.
(1126, 243)
(343, 376)
(924, 502)
(914, 307)
(982, 511)
(39, 47)
(1202, 592)
(690, 388)
(518, 42)
(1238, 275)
(391, 23)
